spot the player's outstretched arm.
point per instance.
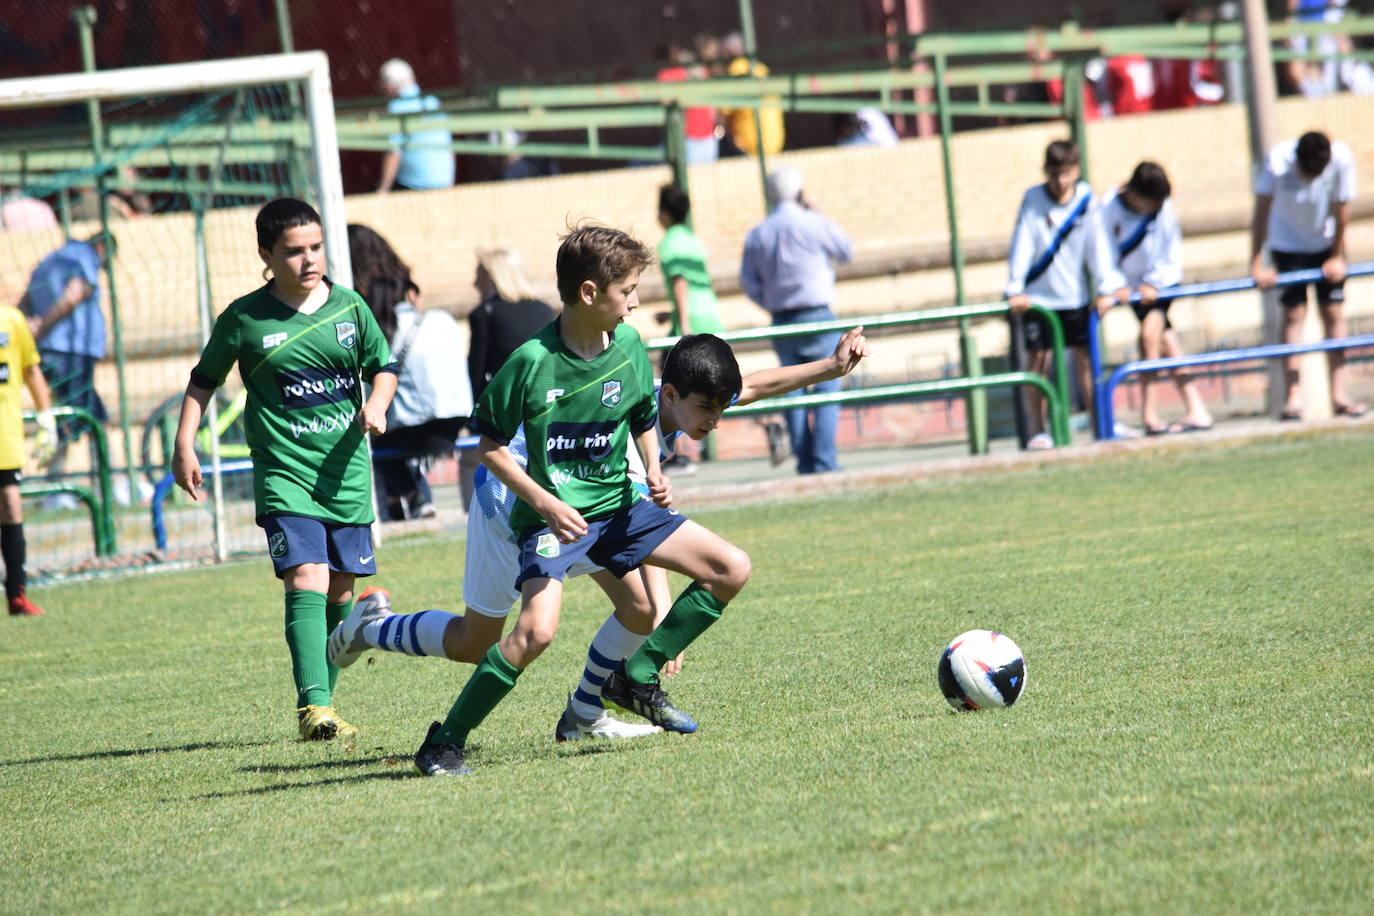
(849, 352)
(564, 521)
(185, 464)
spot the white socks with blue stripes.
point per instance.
(421, 633)
(611, 646)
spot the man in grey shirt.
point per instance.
(788, 269)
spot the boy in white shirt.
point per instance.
(1302, 202)
(1142, 228)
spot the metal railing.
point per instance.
(101, 502)
(1105, 388)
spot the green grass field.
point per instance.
(1195, 735)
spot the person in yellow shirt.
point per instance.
(739, 122)
(18, 369)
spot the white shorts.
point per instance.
(493, 557)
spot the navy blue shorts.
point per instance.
(1159, 305)
(1296, 294)
(295, 539)
(1074, 322)
(619, 542)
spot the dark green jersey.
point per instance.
(578, 416)
(303, 375)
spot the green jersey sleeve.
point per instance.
(221, 352)
(374, 353)
(501, 409)
(644, 413)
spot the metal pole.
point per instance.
(746, 31)
(85, 22)
(976, 400)
(1262, 112)
(206, 320)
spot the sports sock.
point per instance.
(411, 634)
(333, 613)
(693, 611)
(494, 678)
(305, 637)
(13, 553)
(611, 645)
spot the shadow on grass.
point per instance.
(136, 752)
(290, 786)
(321, 765)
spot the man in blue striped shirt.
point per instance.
(788, 268)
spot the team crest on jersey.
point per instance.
(347, 333)
(276, 544)
(547, 546)
(610, 393)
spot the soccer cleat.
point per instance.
(647, 700)
(21, 606)
(346, 643)
(322, 723)
(571, 728)
(434, 759)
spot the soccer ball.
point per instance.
(981, 669)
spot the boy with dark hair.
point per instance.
(1147, 244)
(1302, 206)
(1059, 259)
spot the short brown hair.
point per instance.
(1060, 154)
(1149, 181)
(600, 254)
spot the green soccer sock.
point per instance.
(692, 612)
(494, 678)
(333, 613)
(305, 637)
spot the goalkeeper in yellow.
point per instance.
(18, 368)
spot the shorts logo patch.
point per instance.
(610, 393)
(547, 546)
(347, 334)
(276, 545)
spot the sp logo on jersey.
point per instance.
(547, 546)
(610, 393)
(347, 334)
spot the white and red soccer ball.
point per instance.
(981, 669)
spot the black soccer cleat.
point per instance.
(433, 759)
(647, 700)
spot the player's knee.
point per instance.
(733, 569)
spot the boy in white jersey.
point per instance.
(1302, 206)
(1059, 259)
(701, 379)
(1143, 230)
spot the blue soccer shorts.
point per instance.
(295, 539)
(618, 542)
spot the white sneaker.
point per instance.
(571, 728)
(346, 643)
(1040, 442)
(1122, 431)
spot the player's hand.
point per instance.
(1333, 269)
(673, 665)
(660, 489)
(851, 350)
(1265, 277)
(186, 471)
(566, 523)
(372, 420)
(1102, 304)
(1148, 294)
(1018, 303)
(45, 442)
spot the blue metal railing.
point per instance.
(1105, 388)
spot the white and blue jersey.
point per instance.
(1145, 250)
(493, 557)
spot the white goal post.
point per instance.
(308, 67)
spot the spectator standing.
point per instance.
(19, 212)
(787, 268)
(1059, 259)
(422, 159)
(740, 126)
(62, 303)
(1302, 203)
(1147, 244)
(433, 398)
(508, 315)
(699, 121)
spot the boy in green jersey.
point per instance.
(581, 388)
(304, 347)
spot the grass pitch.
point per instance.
(1195, 734)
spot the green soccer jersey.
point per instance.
(582, 411)
(682, 254)
(303, 375)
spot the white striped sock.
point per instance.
(611, 645)
(412, 634)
